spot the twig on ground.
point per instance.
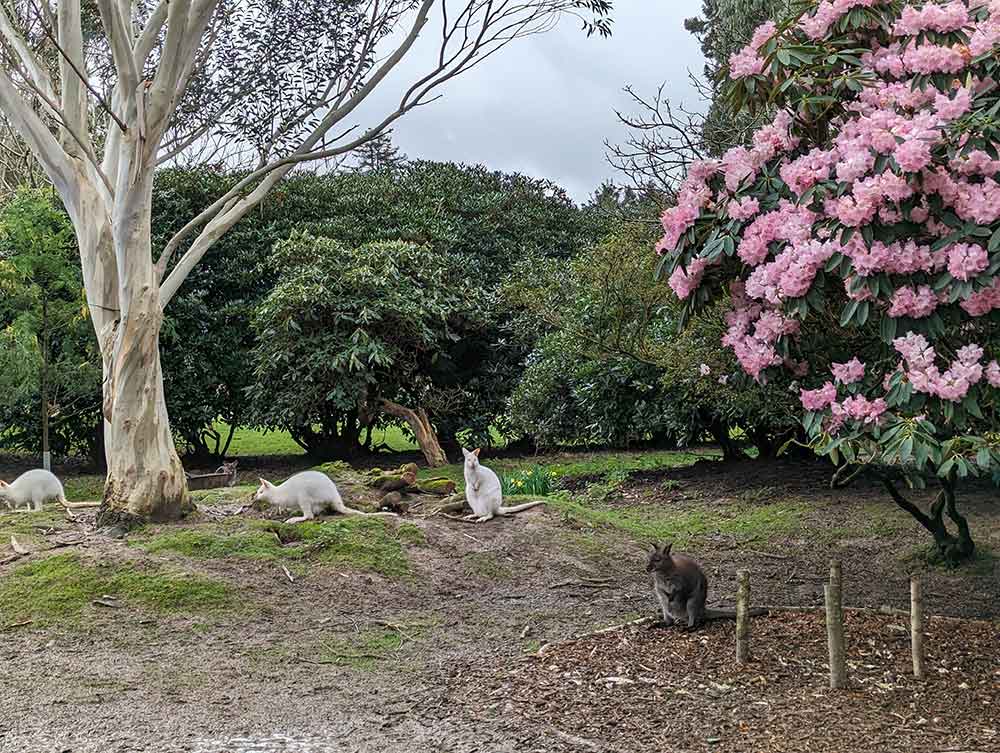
(291, 578)
(768, 554)
(13, 625)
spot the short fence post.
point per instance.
(917, 627)
(742, 616)
(833, 597)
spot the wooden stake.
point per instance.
(917, 627)
(835, 637)
(837, 584)
(742, 616)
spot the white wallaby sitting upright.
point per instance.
(311, 492)
(32, 488)
(483, 493)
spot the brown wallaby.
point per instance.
(681, 587)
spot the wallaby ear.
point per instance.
(654, 548)
(476, 451)
(264, 482)
(3, 484)
(666, 549)
(465, 452)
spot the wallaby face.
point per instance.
(263, 493)
(659, 557)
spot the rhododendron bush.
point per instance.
(867, 211)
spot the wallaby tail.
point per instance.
(77, 505)
(519, 508)
(339, 506)
(730, 614)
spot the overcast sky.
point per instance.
(544, 105)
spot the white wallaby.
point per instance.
(32, 488)
(311, 492)
(483, 493)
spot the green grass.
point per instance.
(31, 523)
(256, 442)
(569, 466)
(683, 527)
(368, 544)
(60, 588)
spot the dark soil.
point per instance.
(483, 599)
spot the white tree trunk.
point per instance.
(145, 478)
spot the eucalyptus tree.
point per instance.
(140, 83)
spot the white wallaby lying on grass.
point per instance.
(311, 492)
(483, 492)
(32, 488)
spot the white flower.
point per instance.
(723, 379)
(705, 369)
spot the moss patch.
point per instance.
(369, 544)
(926, 556)
(488, 566)
(61, 587)
(31, 523)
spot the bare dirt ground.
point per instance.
(447, 658)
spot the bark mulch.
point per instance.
(641, 689)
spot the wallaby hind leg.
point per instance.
(696, 607)
(307, 513)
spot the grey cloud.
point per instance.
(545, 105)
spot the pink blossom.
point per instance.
(743, 209)
(913, 156)
(684, 282)
(993, 374)
(983, 301)
(913, 302)
(818, 399)
(939, 18)
(967, 260)
(748, 62)
(848, 373)
(932, 58)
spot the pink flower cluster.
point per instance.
(818, 399)
(848, 373)
(967, 260)
(792, 272)
(940, 18)
(913, 302)
(748, 62)
(983, 301)
(685, 281)
(743, 209)
(828, 13)
(922, 372)
(857, 408)
(974, 202)
(993, 373)
(753, 332)
(786, 223)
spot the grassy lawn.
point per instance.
(250, 442)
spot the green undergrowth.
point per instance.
(61, 588)
(684, 526)
(370, 544)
